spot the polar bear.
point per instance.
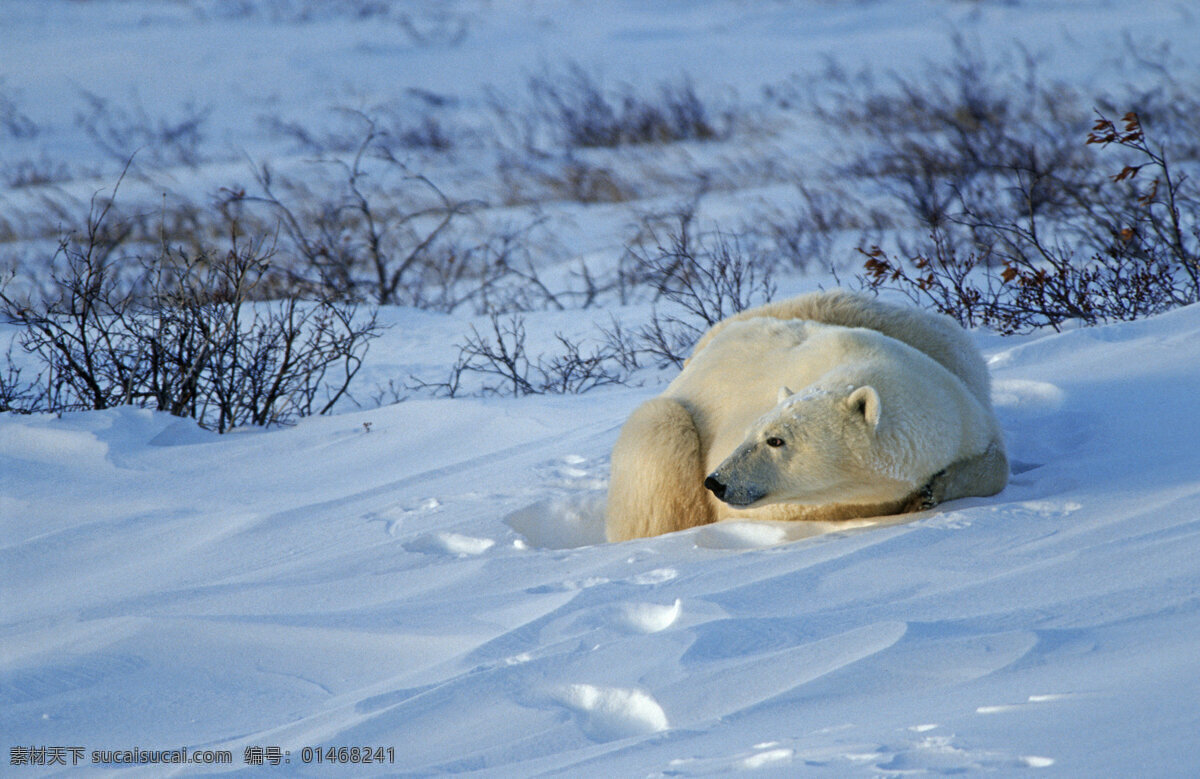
(831, 405)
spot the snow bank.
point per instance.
(436, 584)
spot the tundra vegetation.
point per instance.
(1007, 205)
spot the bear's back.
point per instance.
(736, 378)
(936, 335)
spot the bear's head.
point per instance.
(814, 447)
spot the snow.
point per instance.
(430, 576)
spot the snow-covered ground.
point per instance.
(430, 577)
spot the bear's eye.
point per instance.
(775, 441)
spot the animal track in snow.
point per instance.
(610, 713)
(939, 754)
(561, 523)
(649, 578)
(449, 543)
(735, 534)
(766, 755)
(1039, 509)
(657, 576)
(393, 517)
(1004, 708)
(574, 472)
(949, 520)
(570, 585)
(1050, 508)
(650, 617)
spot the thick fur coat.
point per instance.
(827, 406)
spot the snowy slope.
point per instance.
(430, 576)
(433, 585)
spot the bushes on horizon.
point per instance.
(1121, 246)
(188, 336)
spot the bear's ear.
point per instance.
(784, 394)
(865, 401)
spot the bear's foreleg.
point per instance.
(657, 483)
(979, 476)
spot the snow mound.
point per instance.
(610, 713)
(562, 522)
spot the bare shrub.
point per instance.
(570, 108)
(364, 242)
(500, 355)
(502, 362)
(435, 28)
(35, 173)
(536, 178)
(622, 346)
(1024, 225)
(185, 338)
(585, 182)
(507, 279)
(1121, 252)
(14, 122)
(433, 25)
(698, 281)
(17, 395)
(123, 132)
(1162, 224)
(813, 233)
(559, 139)
(365, 228)
(393, 131)
(381, 233)
(702, 279)
(950, 130)
(1165, 101)
(575, 369)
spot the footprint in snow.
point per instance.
(393, 517)
(647, 579)
(574, 472)
(758, 534)
(656, 576)
(939, 754)
(454, 544)
(766, 755)
(561, 523)
(649, 617)
(1005, 708)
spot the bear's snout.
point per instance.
(736, 494)
(715, 486)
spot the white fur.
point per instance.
(875, 420)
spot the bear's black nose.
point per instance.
(717, 487)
